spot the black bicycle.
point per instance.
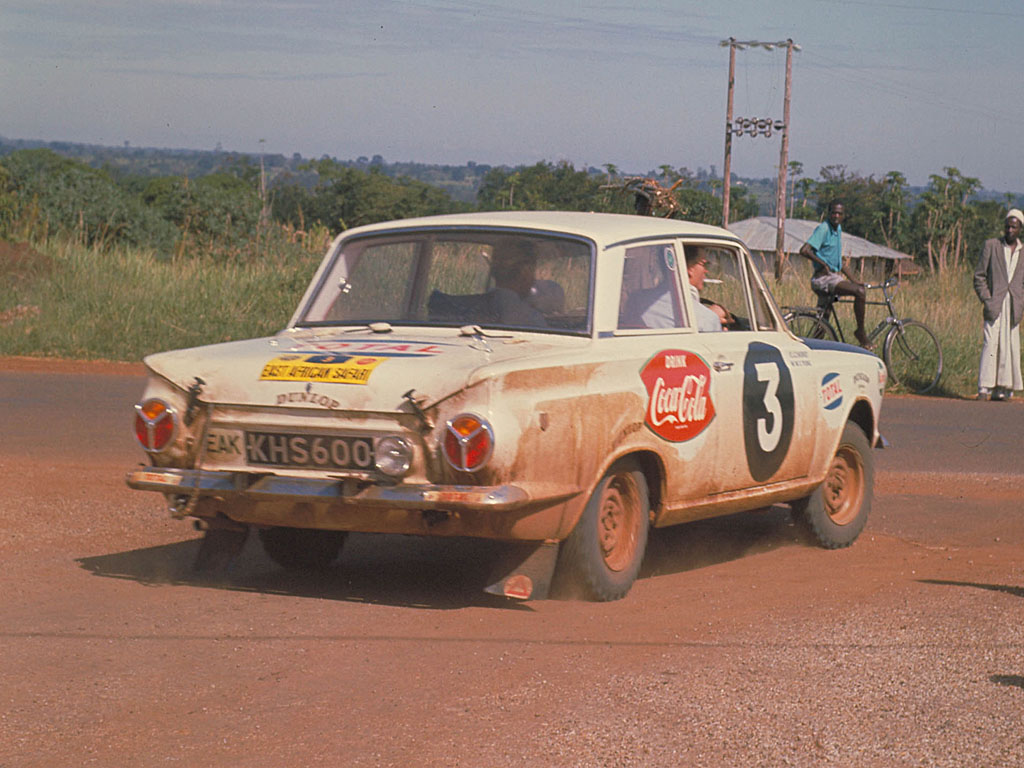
(911, 351)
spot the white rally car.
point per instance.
(540, 378)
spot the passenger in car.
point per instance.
(652, 307)
(514, 269)
(547, 297)
(711, 317)
(657, 307)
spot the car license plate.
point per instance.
(277, 449)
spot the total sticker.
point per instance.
(831, 391)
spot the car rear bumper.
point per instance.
(499, 511)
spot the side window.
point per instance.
(649, 297)
(724, 288)
(764, 320)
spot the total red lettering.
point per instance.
(368, 347)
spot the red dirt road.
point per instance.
(740, 644)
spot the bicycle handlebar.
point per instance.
(888, 287)
(889, 283)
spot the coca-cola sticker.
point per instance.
(679, 403)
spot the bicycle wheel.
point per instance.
(807, 325)
(913, 356)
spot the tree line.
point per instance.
(236, 210)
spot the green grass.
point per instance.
(122, 304)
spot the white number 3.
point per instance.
(769, 439)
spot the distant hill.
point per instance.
(461, 182)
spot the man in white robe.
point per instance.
(999, 283)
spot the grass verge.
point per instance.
(66, 300)
(122, 304)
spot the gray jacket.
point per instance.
(991, 282)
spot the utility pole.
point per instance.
(759, 127)
(727, 165)
(780, 193)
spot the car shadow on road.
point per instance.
(1005, 588)
(704, 543)
(403, 571)
(1012, 681)
(434, 573)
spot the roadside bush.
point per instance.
(545, 187)
(216, 215)
(45, 194)
(347, 197)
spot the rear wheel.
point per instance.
(807, 325)
(602, 556)
(835, 514)
(301, 549)
(913, 356)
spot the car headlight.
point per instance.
(155, 424)
(468, 442)
(393, 456)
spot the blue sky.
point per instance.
(878, 86)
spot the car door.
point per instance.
(657, 348)
(762, 383)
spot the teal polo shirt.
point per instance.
(828, 244)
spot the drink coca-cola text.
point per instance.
(679, 404)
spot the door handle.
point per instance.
(722, 365)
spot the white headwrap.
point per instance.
(1015, 212)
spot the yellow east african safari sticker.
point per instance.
(328, 369)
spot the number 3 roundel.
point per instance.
(767, 410)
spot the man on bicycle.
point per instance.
(825, 249)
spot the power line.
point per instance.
(974, 11)
(862, 77)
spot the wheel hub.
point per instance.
(616, 525)
(844, 487)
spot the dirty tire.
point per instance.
(301, 549)
(601, 557)
(835, 514)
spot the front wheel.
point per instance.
(913, 356)
(602, 556)
(835, 514)
(808, 325)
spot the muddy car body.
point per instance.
(537, 378)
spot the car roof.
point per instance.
(604, 228)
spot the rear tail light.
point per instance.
(155, 424)
(468, 442)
